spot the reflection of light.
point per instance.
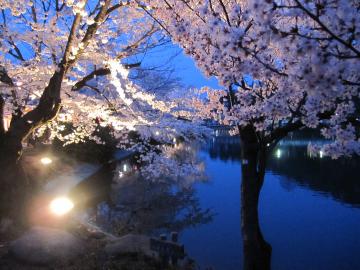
(60, 206)
(321, 154)
(46, 160)
(125, 168)
(121, 174)
(278, 153)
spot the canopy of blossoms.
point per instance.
(288, 64)
(77, 54)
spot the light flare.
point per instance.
(278, 153)
(61, 206)
(46, 160)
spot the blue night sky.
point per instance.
(171, 56)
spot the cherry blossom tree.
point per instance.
(67, 62)
(51, 50)
(284, 65)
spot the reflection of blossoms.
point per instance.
(180, 164)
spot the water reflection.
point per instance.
(297, 166)
(257, 252)
(136, 205)
(335, 178)
(141, 206)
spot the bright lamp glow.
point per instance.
(60, 206)
(46, 160)
(278, 153)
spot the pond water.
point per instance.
(309, 209)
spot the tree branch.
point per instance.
(326, 29)
(281, 132)
(83, 82)
(99, 19)
(225, 12)
(98, 72)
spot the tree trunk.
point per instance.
(15, 188)
(257, 252)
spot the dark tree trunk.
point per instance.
(257, 252)
(15, 187)
(15, 190)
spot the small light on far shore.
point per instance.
(61, 206)
(46, 160)
(321, 154)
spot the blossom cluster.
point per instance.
(39, 37)
(282, 63)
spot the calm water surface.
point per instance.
(309, 210)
